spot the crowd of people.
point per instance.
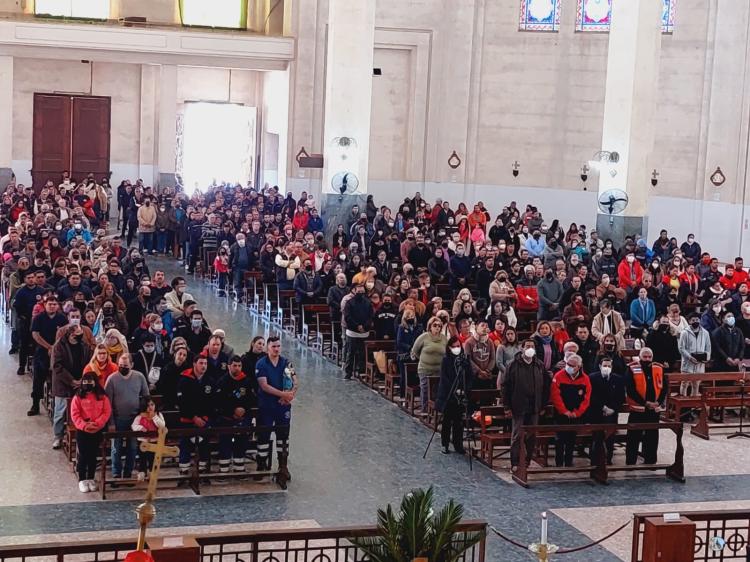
(120, 346)
(512, 302)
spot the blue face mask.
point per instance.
(729, 321)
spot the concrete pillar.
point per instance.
(6, 120)
(167, 147)
(629, 106)
(348, 99)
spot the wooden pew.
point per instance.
(494, 433)
(392, 379)
(598, 469)
(371, 369)
(311, 324)
(718, 391)
(412, 389)
(251, 281)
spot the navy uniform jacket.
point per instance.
(195, 397)
(233, 393)
(274, 377)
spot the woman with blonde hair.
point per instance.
(101, 364)
(116, 344)
(429, 350)
(464, 295)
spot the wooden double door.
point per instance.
(70, 133)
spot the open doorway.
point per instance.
(218, 145)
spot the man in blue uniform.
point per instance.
(235, 399)
(196, 390)
(277, 388)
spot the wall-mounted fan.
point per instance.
(613, 202)
(345, 183)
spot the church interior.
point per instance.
(587, 160)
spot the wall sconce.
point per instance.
(585, 174)
(454, 161)
(654, 178)
(516, 168)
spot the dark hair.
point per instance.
(177, 280)
(144, 402)
(272, 339)
(98, 390)
(451, 341)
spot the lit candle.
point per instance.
(544, 528)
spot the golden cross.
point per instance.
(146, 511)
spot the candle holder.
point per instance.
(543, 550)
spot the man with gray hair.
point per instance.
(646, 393)
(241, 260)
(570, 394)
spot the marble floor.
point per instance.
(351, 452)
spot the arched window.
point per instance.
(88, 9)
(216, 13)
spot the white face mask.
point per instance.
(241, 243)
(529, 352)
(456, 350)
(606, 371)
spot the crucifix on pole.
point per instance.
(147, 511)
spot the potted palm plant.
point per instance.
(416, 533)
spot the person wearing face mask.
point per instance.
(695, 351)
(90, 411)
(70, 354)
(727, 345)
(629, 273)
(646, 393)
(453, 392)
(570, 394)
(384, 324)
(195, 332)
(525, 393)
(241, 260)
(691, 249)
(535, 244)
(607, 398)
(308, 286)
(406, 335)
(480, 352)
(125, 390)
(460, 268)
(550, 291)
(663, 343)
(358, 313)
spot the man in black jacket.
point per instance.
(358, 315)
(196, 391)
(385, 328)
(525, 392)
(727, 345)
(235, 399)
(607, 398)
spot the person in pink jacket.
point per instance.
(90, 411)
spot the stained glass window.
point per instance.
(540, 15)
(596, 15)
(667, 17)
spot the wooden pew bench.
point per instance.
(494, 433)
(598, 469)
(372, 373)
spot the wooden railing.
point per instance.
(732, 527)
(300, 545)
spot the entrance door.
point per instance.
(51, 143)
(90, 147)
(70, 133)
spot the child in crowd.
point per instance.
(150, 419)
(90, 411)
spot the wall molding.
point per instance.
(103, 43)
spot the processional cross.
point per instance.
(147, 511)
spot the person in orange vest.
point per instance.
(646, 393)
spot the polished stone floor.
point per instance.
(351, 452)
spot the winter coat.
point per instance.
(454, 370)
(89, 409)
(526, 386)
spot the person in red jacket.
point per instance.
(739, 272)
(729, 280)
(301, 218)
(570, 394)
(629, 273)
(90, 411)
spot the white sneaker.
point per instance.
(92, 486)
(83, 486)
(56, 444)
(141, 476)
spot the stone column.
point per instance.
(629, 106)
(6, 120)
(167, 148)
(148, 128)
(351, 37)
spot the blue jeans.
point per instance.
(131, 447)
(59, 417)
(146, 241)
(161, 242)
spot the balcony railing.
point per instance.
(299, 545)
(731, 527)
